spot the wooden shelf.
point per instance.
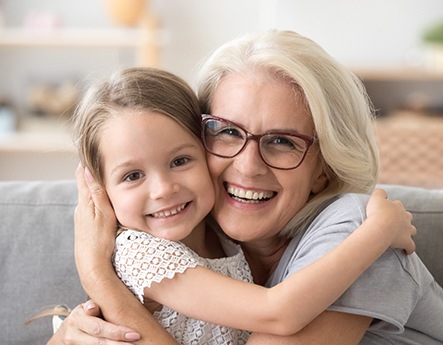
(77, 38)
(36, 143)
(145, 39)
(399, 74)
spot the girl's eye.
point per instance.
(134, 176)
(180, 161)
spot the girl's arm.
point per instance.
(329, 328)
(289, 306)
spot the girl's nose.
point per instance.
(162, 186)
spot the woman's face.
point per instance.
(260, 104)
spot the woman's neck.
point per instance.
(263, 257)
(204, 241)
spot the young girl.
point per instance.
(138, 136)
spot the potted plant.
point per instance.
(433, 40)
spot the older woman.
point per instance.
(281, 81)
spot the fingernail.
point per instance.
(88, 175)
(132, 336)
(90, 306)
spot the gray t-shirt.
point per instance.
(397, 291)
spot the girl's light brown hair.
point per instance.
(136, 89)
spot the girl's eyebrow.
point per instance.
(124, 164)
(128, 163)
(185, 146)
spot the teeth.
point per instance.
(249, 194)
(168, 213)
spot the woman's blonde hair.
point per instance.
(335, 99)
(137, 90)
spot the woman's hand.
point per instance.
(95, 227)
(394, 217)
(84, 327)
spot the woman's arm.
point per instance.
(209, 296)
(95, 226)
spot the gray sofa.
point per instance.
(36, 250)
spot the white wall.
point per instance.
(377, 33)
(369, 33)
(359, 33)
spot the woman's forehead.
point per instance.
(261, 104)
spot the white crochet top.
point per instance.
(141, 259)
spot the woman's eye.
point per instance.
(134, 176)
(180, 161)
(230, 131)
(285, 143)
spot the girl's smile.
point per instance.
(155, 174)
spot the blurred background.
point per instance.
(51, 49)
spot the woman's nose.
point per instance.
(162, 186)
(249, 162)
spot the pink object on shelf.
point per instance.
(42, 20)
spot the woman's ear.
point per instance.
(320, 182)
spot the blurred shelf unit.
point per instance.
(42, 148)
(394, 89)
(399, 74)
(21, 142)
(144, 39)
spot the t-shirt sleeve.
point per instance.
(141, 259)
(387, 292)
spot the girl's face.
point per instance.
(155, 174)
(259, 105)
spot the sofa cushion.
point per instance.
(37, 267)
(426, 205)
(36, 253)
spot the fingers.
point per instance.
(83, 328)
(98, 195)
(99, 328)
(91, 308)
(380, 193)
(82, 188)
(92, 197)
(411, 247)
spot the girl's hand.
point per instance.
(95, 227)
(83, 327)
(395, 218)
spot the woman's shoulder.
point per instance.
(351, 200)
(342, 208)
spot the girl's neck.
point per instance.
(204, 241)
(263, 257)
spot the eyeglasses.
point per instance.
(279, 150)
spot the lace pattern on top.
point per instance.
(141, 259)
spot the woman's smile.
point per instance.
(248, 195)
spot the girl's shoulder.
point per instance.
(141, 259)
(142, 246)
